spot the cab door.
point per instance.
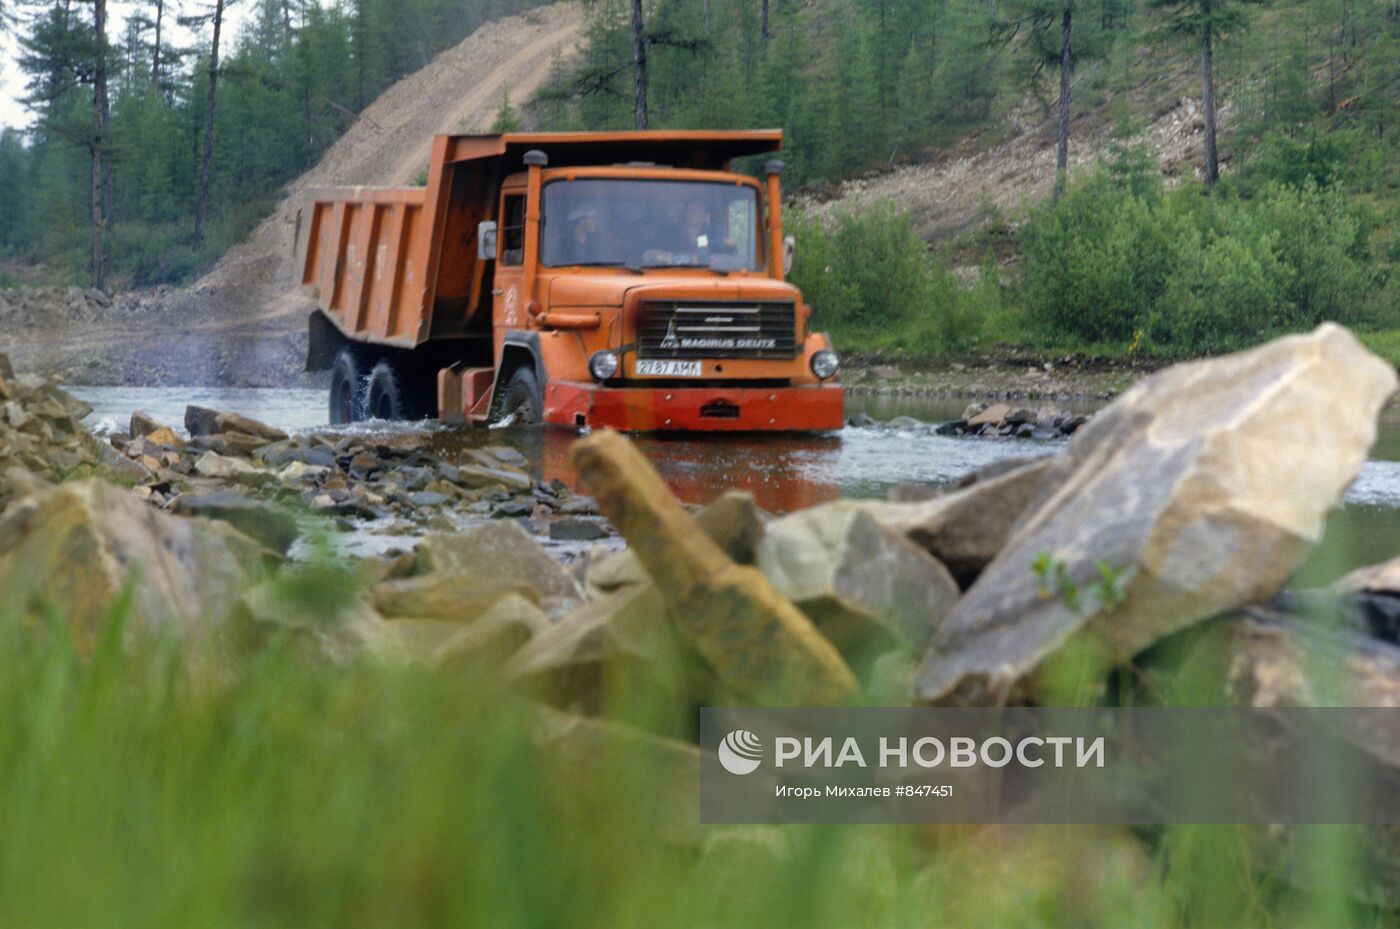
(507, 295)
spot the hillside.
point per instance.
(389, 143)
(243, 322)
(984, 175)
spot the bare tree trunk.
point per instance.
(639, 64)
(1062, 148)
(105, 103)
(207, 158)
(705, 7)
(101, 172)
(287, 21)
(358, 39)
(1208, 78)
(763, 31)
(155, 52)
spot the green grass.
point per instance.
(137, 790)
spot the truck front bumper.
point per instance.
(812, 408)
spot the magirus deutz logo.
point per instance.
(671, 342)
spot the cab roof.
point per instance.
(705, 149)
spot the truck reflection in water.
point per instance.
(783, 473)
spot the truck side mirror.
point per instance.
(486, 241)
(789, 253)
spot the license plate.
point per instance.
(669, 368)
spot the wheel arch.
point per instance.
(324, 342)
(521, 349)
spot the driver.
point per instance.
(695, 229)
(584, 242)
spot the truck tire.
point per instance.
(384, 393)
(523, 398)
(347, 389)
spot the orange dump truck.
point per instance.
(623, 279)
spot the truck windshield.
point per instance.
(631, 223)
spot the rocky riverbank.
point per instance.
(1175, 515)
(238, 469)
(1063, 379)
(996, 420)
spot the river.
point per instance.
(789, 472)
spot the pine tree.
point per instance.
(206, 160)
(507, 120)
(14, 190)
(1206, 22)
(61, 53)
(1058, 39)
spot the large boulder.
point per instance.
(320, 612)
(477, 477)
(586, 753)
(71, 548)
(1271, 661)
(755, 640)
(500, 555)
(862, 583)
(447, 596)
(143, 424)
(967, 528)
(1373, 595)
(266, 522)
(497, 634)
(619, 653)
(733, 521)
(1200, 489)
(224, 468)
(202, 421)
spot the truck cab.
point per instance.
(630, 280)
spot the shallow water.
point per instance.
(784, 472)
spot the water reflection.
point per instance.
(783, 473)
(1357, 534)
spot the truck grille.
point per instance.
(698, 330)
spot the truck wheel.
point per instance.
(521, 398)
(384, 393)
(347, 389)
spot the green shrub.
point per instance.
(1221, 297)
(873, 283)
(1319, 161)
(1319, 237)
(957, 315)
(1096, 262)
(1192, 272)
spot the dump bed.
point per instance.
(398, 265)
(366, 260)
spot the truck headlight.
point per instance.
(824, 364)
(602, 365)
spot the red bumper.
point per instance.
(696, 409)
